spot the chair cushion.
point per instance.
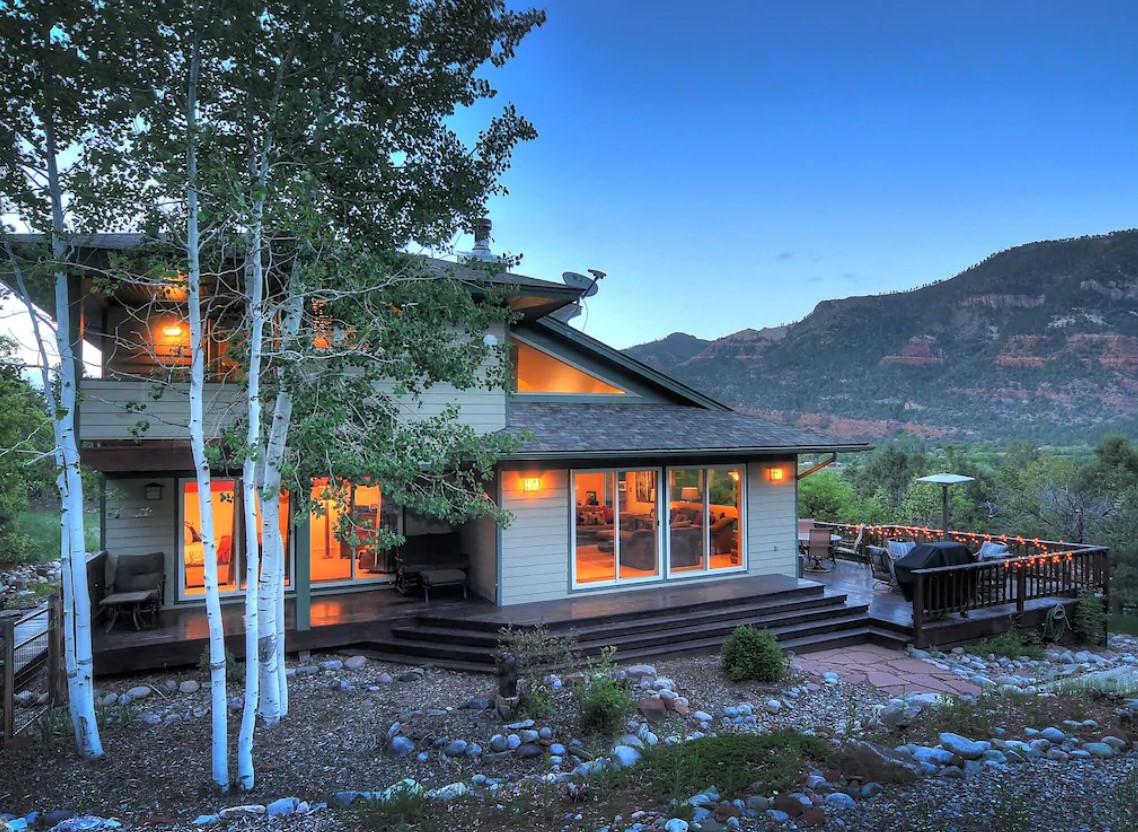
(899, 548)
(441, 577)
(992, 551)
(138, 573)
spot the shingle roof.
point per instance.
(586, 429)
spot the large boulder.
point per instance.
(877, 763)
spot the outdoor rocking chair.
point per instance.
(854, 550)
(137, 588)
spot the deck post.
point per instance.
(303, 577)
(56, 674)
(1021, 586)
(918, 607)
(7, 676)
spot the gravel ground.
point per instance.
(335, 737)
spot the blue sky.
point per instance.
(730, 164)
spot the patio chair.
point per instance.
(854, 550)
(429, 561)
(817, 547)
(881, 563)
(137, 587)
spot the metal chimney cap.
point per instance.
(481, 250)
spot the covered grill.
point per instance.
(930, 556)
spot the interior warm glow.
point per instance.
(531, 483)
(776, 474)
(539, 372)
(172, 331)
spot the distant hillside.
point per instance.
(1040, 340)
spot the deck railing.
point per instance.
(1035, 569)
(31, 655)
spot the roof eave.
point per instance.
(757, 450)
(632, 365)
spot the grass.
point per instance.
(42, 527)
(403, 809)
(730, 762)
(1127, 624)
(1011, 645)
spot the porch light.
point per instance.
(531, 484)
(154, 491)
(172, 331)
(775, 474)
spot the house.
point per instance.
(628, 481)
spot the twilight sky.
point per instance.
(732, 163)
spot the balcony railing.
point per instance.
(1035, 569)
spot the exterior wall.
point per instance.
(772, 519)
(480, 541)
(535, 547)
(110, 409)
(134, 525)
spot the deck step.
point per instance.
(757, 613)
(605, 616)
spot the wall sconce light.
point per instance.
(775, 474)
(172, 331)
(154, 491)
(531, 484)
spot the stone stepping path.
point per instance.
(890, 671)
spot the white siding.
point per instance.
(772, 519)
(137, 526)
(110, 409)
(535, 547)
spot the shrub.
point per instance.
(753, 654)
(539, 653)
(1011, 644)
(732, 762)
(1089, 621)
(603, 699)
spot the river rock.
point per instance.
(400, 747)
(962, 746)
(139, 692)
(873, 762)
(189, 686)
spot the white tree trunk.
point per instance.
(274, 685)
(219, 739)
(254, 293)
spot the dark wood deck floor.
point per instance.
(890, 610)
(183, 633)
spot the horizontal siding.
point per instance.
(480, 541)
(772, 519)
(535, 546)
(137, 526)
(110, 409)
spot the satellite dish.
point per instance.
(567, 313)
(588, 285)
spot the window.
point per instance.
(616, 530)
(344, 532)
(705, 519)
(228, 530)
(536, 371)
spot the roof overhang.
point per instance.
(687, 453)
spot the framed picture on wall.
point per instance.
(645, 486)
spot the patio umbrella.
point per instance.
(944, 481)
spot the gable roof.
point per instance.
(581, 430)
(653, 377)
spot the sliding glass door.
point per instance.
(616, 535)
(705, 516)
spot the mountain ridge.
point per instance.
(1039, 340)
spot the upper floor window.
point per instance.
(537, 371)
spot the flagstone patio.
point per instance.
(890, 671)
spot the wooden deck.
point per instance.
(183, 633)
(890, 612)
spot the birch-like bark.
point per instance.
(274, 686)
(219, 738)
(254, 293)
(80, 689)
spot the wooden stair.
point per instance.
(804, 619)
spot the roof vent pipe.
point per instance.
(481, 250)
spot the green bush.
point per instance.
(753, 654)
(1011, 644)
(603, 699)
(1090, 618)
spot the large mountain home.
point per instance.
(642, 509)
